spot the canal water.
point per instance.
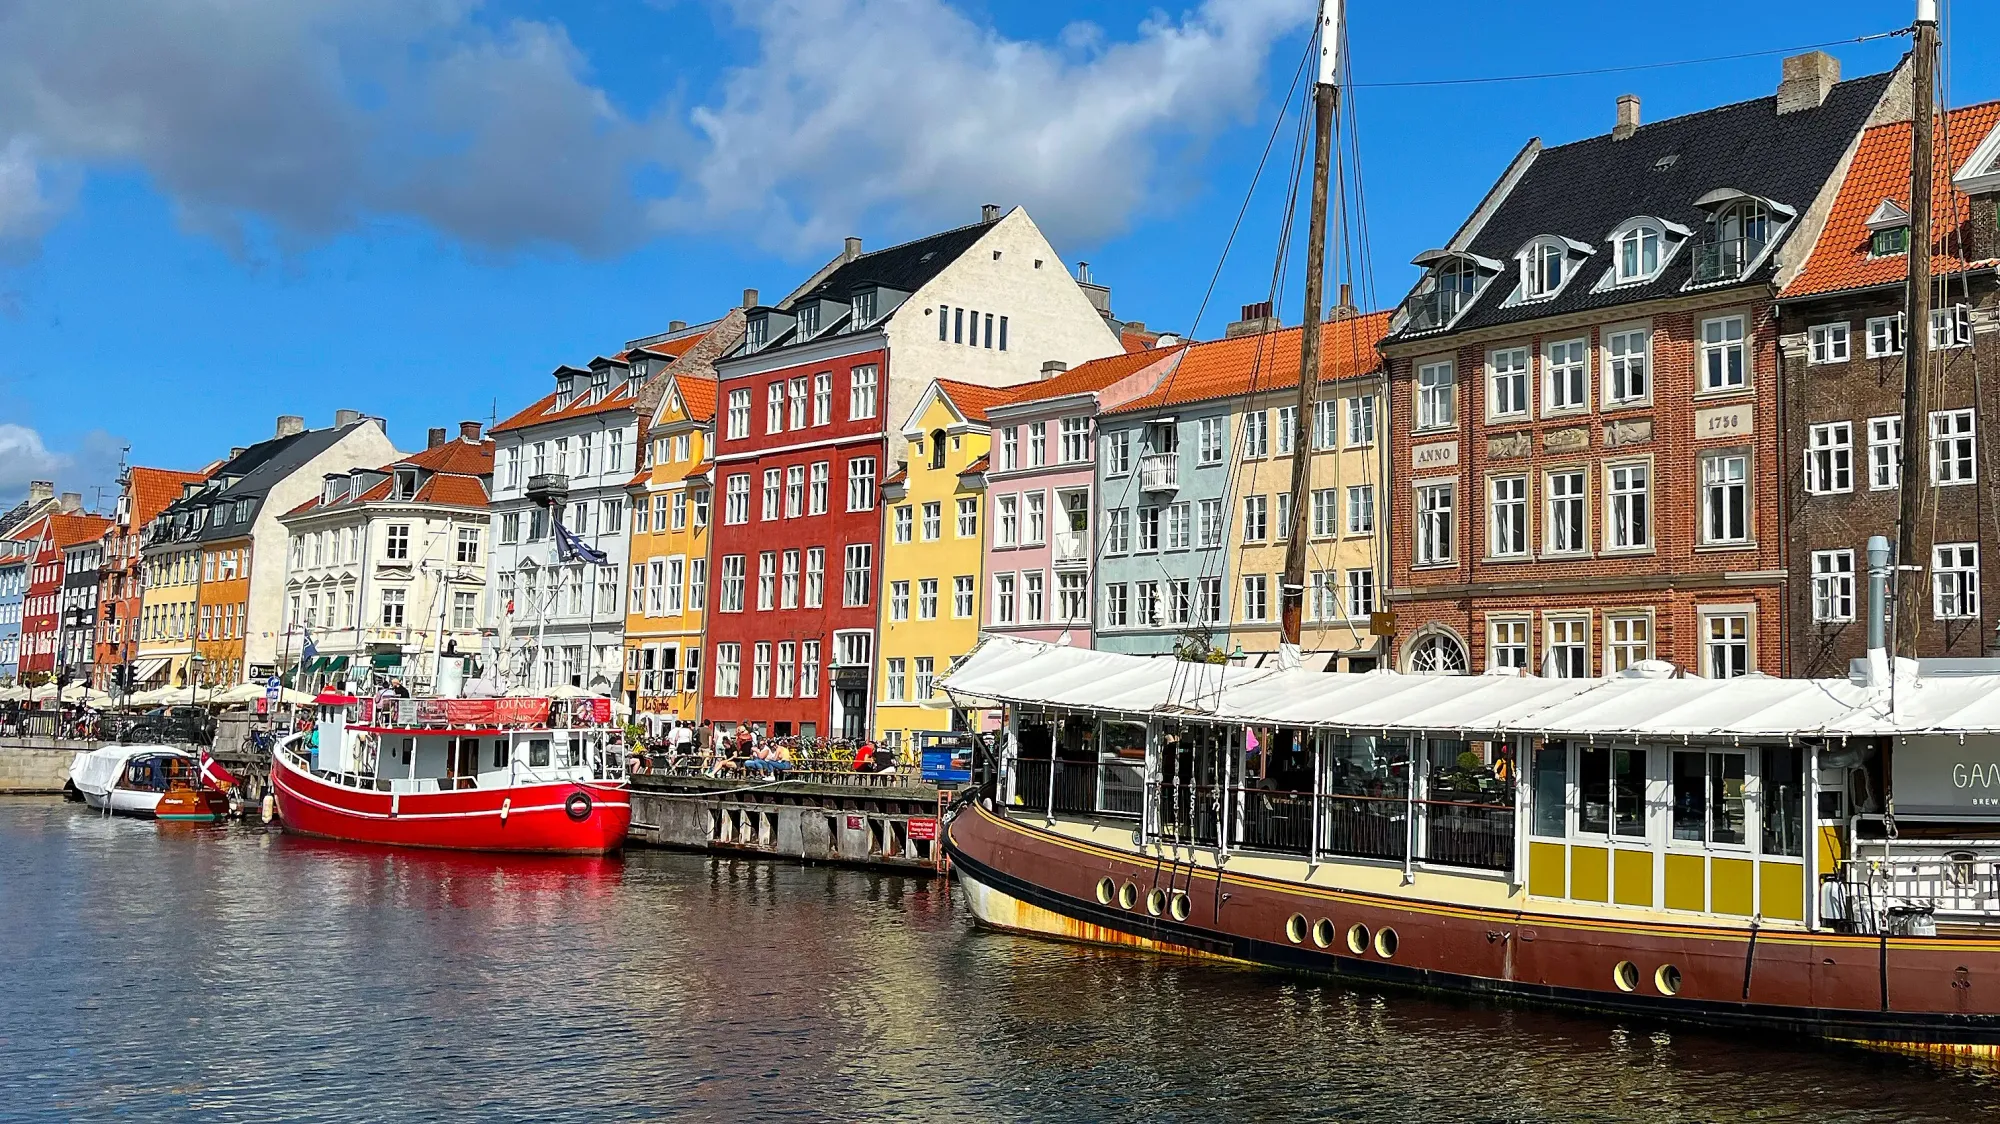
(159, 972)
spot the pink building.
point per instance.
(1039, 503)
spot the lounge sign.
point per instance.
(1937, 775)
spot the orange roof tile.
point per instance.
(154, 488)
(544, 409)
(1881, 170)
(1092, 376)
(1267, 361)
(458, 455)
(979, 465)
(459, 491)
(697, 395)
(677, 347)
(75, 530)
(972, 400)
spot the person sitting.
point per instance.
(864, 757)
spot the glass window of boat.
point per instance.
(1366, 765)
(1708, 797)
(538, 753)
(1611, 791)
(1121, 777)
(1551, 790)
(409, 749)
(1781, 791)
(499, 753)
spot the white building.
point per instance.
(386, 567)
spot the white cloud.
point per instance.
(311, 116)
(24, 457)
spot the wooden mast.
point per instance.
(1326, 100)
(1912, 543)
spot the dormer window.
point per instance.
(600, 383)
(1736, 235)
(565, 389)
(1544, 265)
(1455, 278)
(864, 308)
(406, 483)
(757, 331)
(1641, 247)
(335, 491)
(1888, 230)
(808, 314)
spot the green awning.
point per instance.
(387, 659)
(336, 663)
(313, 665)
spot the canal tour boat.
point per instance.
(151, 781)
(513, 774)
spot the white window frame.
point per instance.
(1885, 453)
(1955, 581)
(1829, 456)
(1723, 354)
(1437, 395)
(1832, 586)
(1954, 448)
(1509, 386)
(1829, 343)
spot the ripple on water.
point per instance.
(226, 974)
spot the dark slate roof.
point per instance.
(1585, 189)
(251, 475)
(906, 267)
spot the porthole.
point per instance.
(1178, 905)
(1668, 980)
(1323, 933)
(1295, 928)
(1156, 902)
(1128, 895)
(1105, 888)
(1357, 939)
(1626, 976)
(1385, 944)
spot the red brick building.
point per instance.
(1845, 343)
(1583, 394)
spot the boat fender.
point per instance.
(507, 804)
(577, 807)
(270, 809)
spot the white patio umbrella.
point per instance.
(13, 694)
(243, 694)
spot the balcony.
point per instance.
(1726, 259)
(1160, 472)
(547, 488)
(1071, 550)
(1435, 309)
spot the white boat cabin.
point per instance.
(412, 753)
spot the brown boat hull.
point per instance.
(1936, 996)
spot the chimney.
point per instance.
(344, 418)
(1808, 78)
(1052, 368)
(72, 501)
(677, 325)
(852, 251)
(1135, 327)
(1628, 117)
(290, 425)
(1257, 319)
(1083, 273)
(1344, 308)
(989, 212)
(236, 451)
(749, 298)
(437, 437)
(41, 491)
(468, 432)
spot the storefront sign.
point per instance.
(1934, 775)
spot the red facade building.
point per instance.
(146, 493)
(41, 615)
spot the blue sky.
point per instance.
(417, 208)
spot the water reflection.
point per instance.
(234, 974)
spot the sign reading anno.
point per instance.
(1437, 454)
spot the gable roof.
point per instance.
(454, 471)
(697, 395)
(1880, 177)
(905, 268)
(458, 456)
(154, 488)
(972, 400)
(74, 530)
(1583, 190)
(1267, 361)
(1089, 377)
(621, 397)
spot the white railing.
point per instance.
(1160, 472)
(1072, 548)
(1951, 887)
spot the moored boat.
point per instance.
(152, 781)
(526, 775)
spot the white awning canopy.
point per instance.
(1027, 672)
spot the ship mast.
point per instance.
(1911, 559)
(1326, 99)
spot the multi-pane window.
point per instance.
(733, 566)
(927, 599)
(1256, 434)
(1038, 444)
(1885, 336)
(1325, 512)
(1724, 358)
(1256, 518)
(1003, 599)
(1209, 518)
(861, 393)
(1117, 609)
(1830, 458)
(760, 670)
(697, 582)
(396, 546)
(1628, 640)
(1010, 449)
(809, 669)
(736, 499)
(1566, 364)
(822, 473)
(1725, 498)
(774, 487)
(1360, 509)
(1955, 581)
(1360, 593)
(1885, 452)
(1434, 523)
(468, 545)
(1208, 443)
(1828, 343)
(1075, 440)
(1180, 601)
(1951, 447)
(728, 669)
(1568, 655)
(1436, 406)
(788, 659)
(1726, 645)
(788, 581)
(739, 413)
(774, 407)
(823, 398)
(927, 665)
(1951, 326)
(1118, 452)
(1627, 360)
(1287, 425)
(1833, 585)
(815, 595)
(392, 607)
(1256, 597)
(968, 517)
(797, 394)
(1507, 382)
(861, 484)
(1325, 427)
(1508, 521)
(899, 600)
(1361, 420)
(1628, 506)
(933, 520)
(767, 581)
(1638, 253)
(905, 523)
(1324, 603)
(1208, 601)
(1117, 530)
(1508, 646)
(858, 577)
(961, 597)
(795, 491)
(1035, 516)
(1567, 521)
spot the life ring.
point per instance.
(577, 807)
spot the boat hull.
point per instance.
(1931, 996)
(534, 819)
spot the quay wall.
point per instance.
(804, 821)
(33, 765)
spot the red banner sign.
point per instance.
(923, 827)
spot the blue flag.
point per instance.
(310, 649)
(570, 548)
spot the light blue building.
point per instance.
(13, 587)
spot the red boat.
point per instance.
(528, 775)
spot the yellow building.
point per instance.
(669, 553)
(169, 606)
(931, 554)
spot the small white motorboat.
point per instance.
(154, 781)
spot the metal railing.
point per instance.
(1725, 259)
(1954, 887)
(1071, 548)
(1268, 820)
